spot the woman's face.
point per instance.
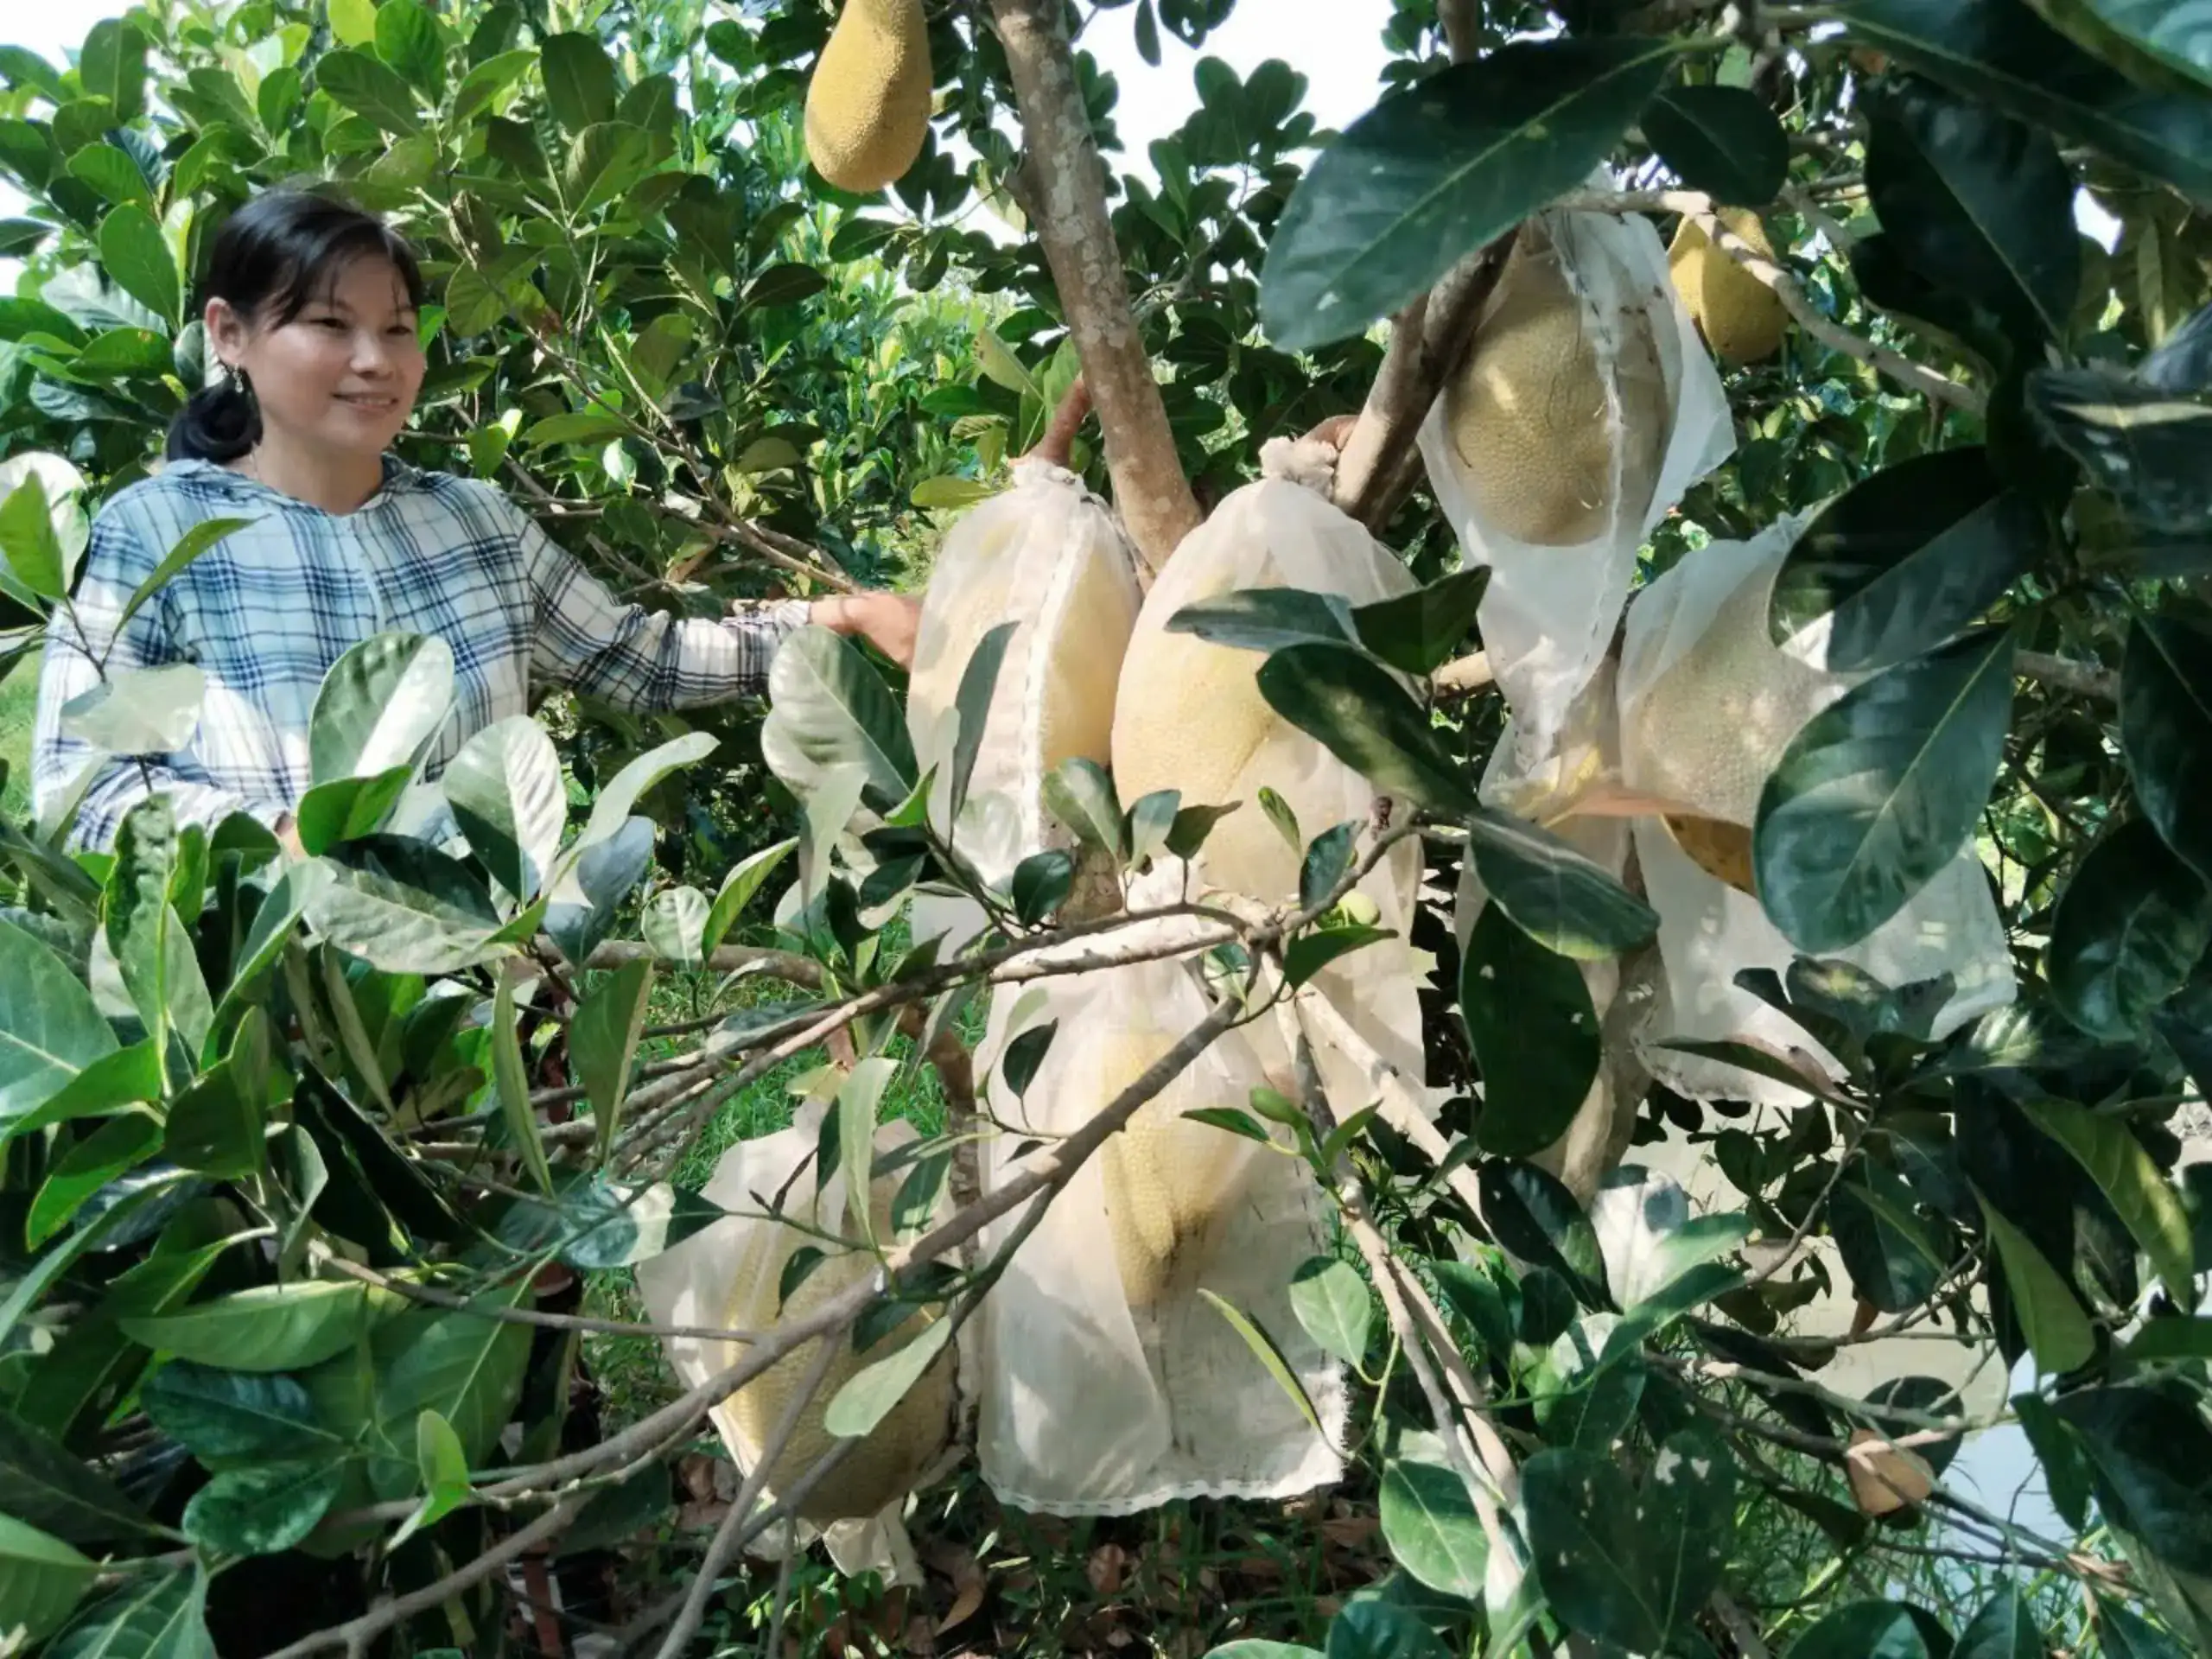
(342, 375)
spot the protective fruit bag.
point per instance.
(1108, 1383)
(728, 1276)
(1708, 704)
(1585, 409)
(1190, 716)
(1048, 556)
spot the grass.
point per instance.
(18, 708)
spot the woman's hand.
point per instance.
(886, 620)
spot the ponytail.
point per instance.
(219, 423)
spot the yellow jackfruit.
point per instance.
(868, 105)
(1530, 417)
(915, 1433)
(1168, 1181)
(1739, 316)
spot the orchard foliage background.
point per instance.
(712, 376)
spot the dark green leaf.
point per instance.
(465, 1367)
(1632, 1565)
(2147, 1204)
(273, 1328)
(744, 880)
(345, 808)
(596, 1224)
(507, 793)
(1476, 1300)
(114, 174)
(1864, 1630)
(1979, 203)
(155, 1616)
(1417, 632)
(401, 906)
(2140, 443)
(408, 39)
(1558, 897)
(2156, 41)
(1534, 1032)
(830, 708)
(2152, 1456)
(2125, 1634)
(1188, 834)
(369, 89)
(134, 252)
(2129, 929)
(1996, 50)
(2004, 1629)
(1310, 952)
(1885, 1242)
(1442, 167)
(113, 65)
(1722, 140)
(1906, 558)
(119, 1145)
(1328, 857)
(40, 1578)
(153, 950)
(1269, 1352)
(603, 1041)
(2166, 730)
(579, 80)
(2065, 1463)
(261, 1510)
(978, 680)
(784, 285)
(1431, 1526)
(1040, 883)
(1150, 820)
(1267, 619)
(1080, 794)
(1332, 1302)
(50, 1028)
(44, 1483)
(2051, 1317)
(1375, 1629)
(1235, 1119)
(233, 1417)
(1536, 1218)
(1878, 791)
(1367, 720)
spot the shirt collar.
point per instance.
(400, 478)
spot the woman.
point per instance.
(312, 308)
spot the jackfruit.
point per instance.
(913, 1435)
(1741, 318)
(1722, 850)
(1047, 556)
(868, 105)
(1545, 399)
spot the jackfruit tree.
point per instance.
(1528, 962)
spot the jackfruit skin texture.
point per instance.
(1167, 1181)
(1529, 415)
(1739, 314)
(884, 1467)
(868, 105)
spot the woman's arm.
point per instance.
(83, 640)
(638, 659)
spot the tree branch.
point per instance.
(2083, 679)
(1150, 490)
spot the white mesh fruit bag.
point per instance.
(1189, 717)
(1586, 408)
(1708, 703)
(1047, 556)
(1108, 1383)
(728, 1276)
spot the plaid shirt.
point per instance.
(267, 611)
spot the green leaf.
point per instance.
(1267, 619)
(1535, 1036)
(136, 254)
(219, 1124)
(1431, 1526)
(139, 711)
(2058, 1332)
(2129, 929)
(1632, 1565)
(1333, 1303)
(2138, 443)
(675, 925)
(1864, 1630)
(2065, 1461)
(465, 1367)
(616, 802)
(112, 173)
(119, 1145)
(345, 808)
(1536, 1218)
(271, 1328)
(1418, 633)
(1254, 1648)
(1722, 140)
(2125, 1634)
(369, 89)
(1264, 1348)
(859, 1100)
(273, 928)
(2004, 1629)
(1328, 857)
(1905, 559)
(1476, 1300)
(594, 1224)
(950, 492)
(45, 1484)
(1877, 791)
(2146, 1203)
(979, 679)
(784, 285)
(127, 1076)
(40, 1578)
(1979, 203)
(2152, 1459)
(828, 707)
(1310, 952)
(744, 880)
(30, 542)
(155, 1616)
(869, 1394)
(507, 793)
(1997, 51)
(603, 1042)
(50, 1027)
(2171, 1339)
(2166, 730)
(262, 1510)
(381, 705)
(1375, 1629)
(579, 80)
(1442, 167)
(2156, 41)
(512, 1081)
(444, 1469)
(1187, 836)
(353, 22)
(408, 39)
(153, 950)
(113, 65)
(1883, 1241)
(605, 163)
(231, 1417)
(482, 86)
(208, 533)
(1367, 720)
(1232, 1119)
(1080, 795)
(401, 906)
(1040, 883)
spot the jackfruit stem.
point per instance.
(1067, 419)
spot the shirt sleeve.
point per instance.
(635, 658)
(86, 642)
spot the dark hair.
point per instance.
(273, 258)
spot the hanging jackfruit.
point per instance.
(1741, 318)
(1548, 395)
(868, 105)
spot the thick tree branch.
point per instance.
(1150, 490)
(2083, 679)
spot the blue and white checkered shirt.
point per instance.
(267, 611)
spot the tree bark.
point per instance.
(1150, 490)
